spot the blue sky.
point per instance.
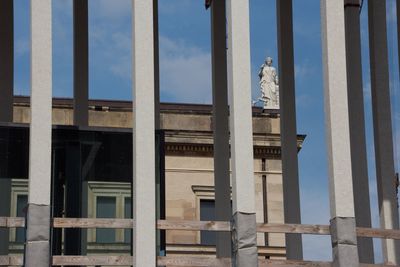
(185, 60)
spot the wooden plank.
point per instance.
(193, 261)
(92, 223)
(184, 225)
(291, 263)
(11, 260)
(15, 222)
(293, 228)
(11, 222)
(4, 260)
(3, 221)
(378, 233)
(16, 261)
(92, 260)
(194, 225)
(207, 261)
(195, 249)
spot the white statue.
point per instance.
(269, 85)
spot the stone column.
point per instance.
(220, 125)
(343, 226)
(357, 127)
(290, 171)
(37, 249)
(6, 102)
(81, 62)
(389, 215)
(239, 77)
(144, 183)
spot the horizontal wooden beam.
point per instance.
(185, 225)
(194, 225)
(92, 260)
(378, 233)
(11, 260)
(11, 222)
(198, 261)
(292, 263)
(92, 223)
(293, 228)
(129, 223)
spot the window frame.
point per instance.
(19, 187)
(203, 192)
(120, 191)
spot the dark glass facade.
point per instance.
(91, 178)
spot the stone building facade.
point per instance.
(189, 177)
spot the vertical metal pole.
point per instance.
(144, 181)
(5, 193)
(81, 62)
(6, 102)
(37, 247)
(157, 115)
(265, 198)
(7, 60)
(157, 123)
(357, 127)
(76, 242)
(398, 27)
(343, 226)
(73, 197)
(290, 172)
(244, 217)
(389, 214)
(220, 125)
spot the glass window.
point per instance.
(207, 213)
(106, 208)
(127, 215)
(22, 201)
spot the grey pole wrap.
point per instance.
(244, 240)
(37, 248)
(344, 242)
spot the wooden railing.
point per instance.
(182, 225)
(10, 222)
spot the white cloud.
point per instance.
(121, 64)
(185, 71)
(170, 7)
(113, 9)
(64, 6)
(113, 49)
